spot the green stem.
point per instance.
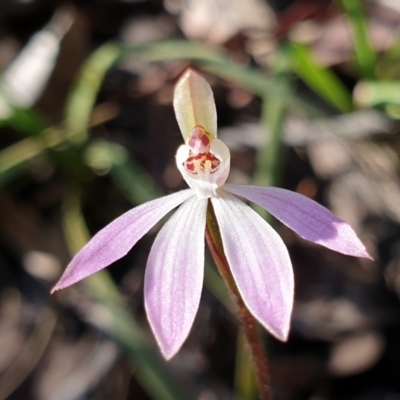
(246, 319)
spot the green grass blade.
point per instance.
(16, 158)
(322, 80)
(273, 112)
(28, 122)
(216, 61)
(83, 95)
(364, 53)
(134, 182)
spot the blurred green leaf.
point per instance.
(269, 156)
(137, 186)
(22, 155)
(371, 94)
(27, 121)
(388, 62)
(17, 157)
(320, 79)
(216, 61)
(83, 95)
(273, 111)
(24, 120)
(365, 54)
(85, 91)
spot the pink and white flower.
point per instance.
(257, 256)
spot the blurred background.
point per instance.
(308, 98)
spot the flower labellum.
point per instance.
(256, 254)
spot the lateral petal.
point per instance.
(118, 237)
(259, 262)
(174, 276)
(306, 217)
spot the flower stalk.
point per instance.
(246, 319)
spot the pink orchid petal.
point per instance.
(117, 238)
(306, 217)
(259, 262)
(174, 276)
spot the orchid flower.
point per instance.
(256, 254)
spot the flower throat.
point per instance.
(200, 158)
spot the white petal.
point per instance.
(259, 262)
(174, 276)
